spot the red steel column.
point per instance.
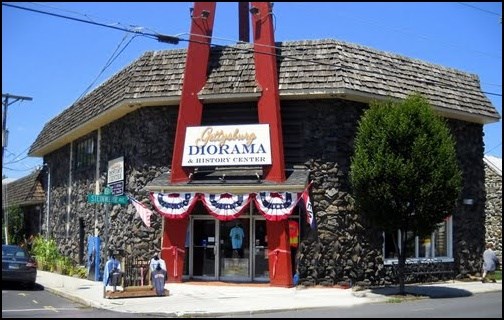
(279, 253)
(267, 79)
(195, 76)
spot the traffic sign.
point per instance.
(106, 198)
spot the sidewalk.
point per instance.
(193, 299)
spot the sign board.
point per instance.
(107, 198)
(241, 145)
(115, 170)
(117, 188)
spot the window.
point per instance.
(437, 245)
(85, 153)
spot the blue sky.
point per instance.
(55, 60)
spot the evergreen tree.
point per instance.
(404, 172)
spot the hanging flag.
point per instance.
(305, 196)
(144, 212)
(173, 205)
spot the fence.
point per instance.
(425, 270)
(136, 272)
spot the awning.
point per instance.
(226, 193)
(232, 180)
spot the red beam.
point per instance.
(195, 76)
(267, 79)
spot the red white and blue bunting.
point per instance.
(225, 206)
(276, 206)
(173, 205)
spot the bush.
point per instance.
(50, 259)
(47, 251)
(78, 271)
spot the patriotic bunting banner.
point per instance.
(276, 206)
(144, 212)
(173, 205)
(225, 206)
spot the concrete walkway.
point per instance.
(194, 299)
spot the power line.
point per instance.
(108, 63)
(495, 147)
(477, 8)
(159, 37)
(176, 39)
(87, 15)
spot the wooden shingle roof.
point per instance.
(25, 191)
(307, 69)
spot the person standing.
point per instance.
(490, 263)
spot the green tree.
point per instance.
(15, 226)
(404, 172)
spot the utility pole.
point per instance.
(5, 105)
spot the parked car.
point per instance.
(18, 266)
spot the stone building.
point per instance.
(324, 87)
(493, 207)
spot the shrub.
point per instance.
(50, 259)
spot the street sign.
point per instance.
(117, 188)
(107, 198)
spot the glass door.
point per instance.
(234, 254)
(260, 249)
(204, 249)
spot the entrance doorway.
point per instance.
(234, 251)
(204, 248)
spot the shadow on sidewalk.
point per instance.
(422, 292)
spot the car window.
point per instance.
(13, 252)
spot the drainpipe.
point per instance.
(48, 198)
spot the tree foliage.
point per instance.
(404, 172)
(15, 225)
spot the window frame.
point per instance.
(85, 153)
(448, 222)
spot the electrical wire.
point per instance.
(480, 9)
(114, 56)
(134, 30)
(175, 39)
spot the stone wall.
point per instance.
(342, 249)
(493, 209)
(348, 250)
(144, 139)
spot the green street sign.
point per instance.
(107, 198)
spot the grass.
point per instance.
(397, 298)
(498, 274)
